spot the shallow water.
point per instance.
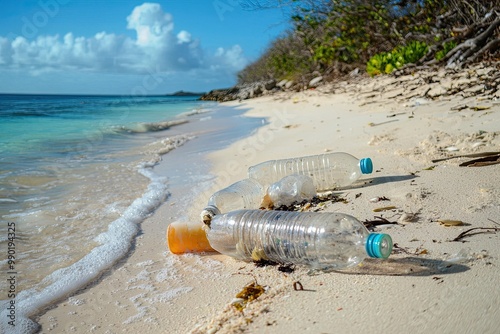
(70, 165)
(77, 185)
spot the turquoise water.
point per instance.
(42, 136)
(76, 178)
(51, 126)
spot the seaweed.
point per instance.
(312, 203)
(249, 293)
(371, 224)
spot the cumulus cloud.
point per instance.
(183, 37)
(156, 45)
(232, 57)
(151, 24)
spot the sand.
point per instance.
(430, 284)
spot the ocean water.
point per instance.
(76, 179)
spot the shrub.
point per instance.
(386, 62)
(447, 47)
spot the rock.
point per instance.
(282, 83)
(393, 93)
(315, 82)
(354, 72)
(473, 91)
(422, 90)
(257, 90)
(436, 90)
(221, 95)
(289, 84)
(270, 84)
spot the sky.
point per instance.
(130, 47)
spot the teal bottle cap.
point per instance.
(379, 245)
(366, 165)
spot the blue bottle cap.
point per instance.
(366, 165)
(379, 245)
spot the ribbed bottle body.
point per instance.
(328, 171)
(244, 194)
(318, 240)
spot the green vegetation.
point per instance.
(447, 47)
(333, 37)
(386, 62)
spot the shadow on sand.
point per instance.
(407, 266)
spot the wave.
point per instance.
(197, 111)
(148, 127)
(114, 244)
(26, 114)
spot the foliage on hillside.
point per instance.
(331, 38)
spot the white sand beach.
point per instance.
(430, 284)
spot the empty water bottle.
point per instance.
(318, 240)
(289, 190)
(244, 194)
(329, 171)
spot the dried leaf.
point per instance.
(385, 208)
(250, 292)
(447, 222)
(479, 108)
(487, 161)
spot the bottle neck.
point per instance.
(208, 213)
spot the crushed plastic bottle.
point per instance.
(318, 240)
(328, 171)
(244, 194)
(291, 189)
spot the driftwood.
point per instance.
(475, 40)
(470, 47)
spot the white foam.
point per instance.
(167, 296)
(7, 200)
(114, 245)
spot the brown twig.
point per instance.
(473, 155)
(370, 224)
(480, 230)
(297, 286)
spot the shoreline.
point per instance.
(135, 273)
(195, 293)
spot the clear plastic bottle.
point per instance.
(290, 189)
(329, 171)
(244, 194)
(318, 240)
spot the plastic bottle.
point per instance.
(290, 189)
(329, 171)
(244, 194)
(318, 240)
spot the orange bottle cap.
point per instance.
(187, 238)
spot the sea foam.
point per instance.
(114, 245)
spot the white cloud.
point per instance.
(232, 57)
(183, 37)
(156, 45)
(152, 25)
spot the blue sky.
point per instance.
(130, 47)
